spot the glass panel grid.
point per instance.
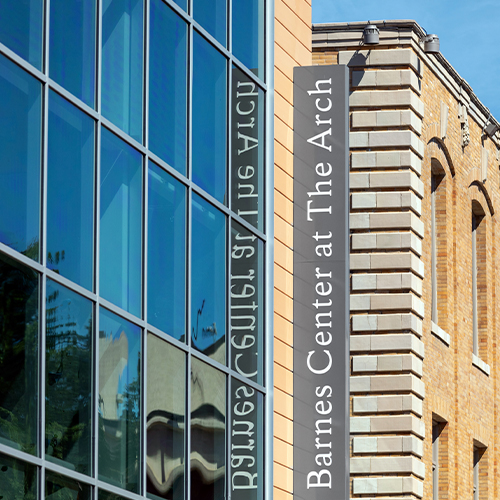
(100, 489)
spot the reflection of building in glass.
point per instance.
(135, 167)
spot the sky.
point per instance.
(468, 31)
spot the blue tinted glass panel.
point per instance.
(209, 118)
(208, 279)
(182, 4)
(20, 144)
(212, 15)
(68, 382)
(18, 355)
(72, 47)
(248, 34)
(119, 401)
(70, 192)
(21, 28)
(121, 223)
(168, 85)
(166, 253)
(122, 34)
(18, 481)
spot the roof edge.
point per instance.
(408, 24)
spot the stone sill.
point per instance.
(479, 363)
(440, 333)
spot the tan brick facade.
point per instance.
(292, 48)
(416, 143)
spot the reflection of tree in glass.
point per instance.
(32, 250)
(17, 480)
(54, 260)
(68, 392)
(18, 354)
(59, 487)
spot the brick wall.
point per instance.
(407, 112)
(456, 389)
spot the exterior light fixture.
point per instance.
(371, 34)
(431, 44)
(491, 128)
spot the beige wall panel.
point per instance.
(283, 133)
(302, 8)
(283, 354)
(283, 329)
(283, 231)
(282, 109)
(283, 280)
(283, 158)
(283, 452)
(283, 477)
(291, 45)
(283, 182)
(283, 86)
(283, 304)
(283, 428)
(292, 48)
(299, 27)
(284, 404)
(283, 207)
(281, 495)
(283, 61)
(283, 379)
(283, 256)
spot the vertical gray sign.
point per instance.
(321, 277)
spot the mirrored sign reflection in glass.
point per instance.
(247, 149)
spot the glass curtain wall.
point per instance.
(132, 249)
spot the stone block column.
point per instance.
(387, 310)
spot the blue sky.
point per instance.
(468, 31)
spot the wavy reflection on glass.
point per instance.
(166, 409)
(208, 422)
